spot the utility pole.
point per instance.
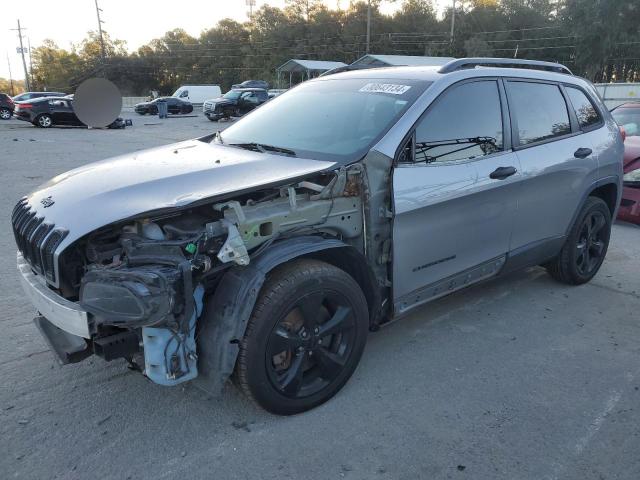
(30, 62)
(368, 25)
(24, 63)
(453, 20)
(100, 22)
(250, 4)
(10, 76)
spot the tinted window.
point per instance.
(465, 123)
(540, 109)
(585, 111)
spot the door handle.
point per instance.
(582, 152)
(501, 173)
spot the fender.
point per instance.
(227, 311)
(610, 180)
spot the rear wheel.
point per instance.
(586, 246)
(304, 339)
(5, 113)
(44, 120)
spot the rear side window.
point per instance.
(466, 122)
(540, 111)
(587, 114)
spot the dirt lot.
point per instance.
(518, 378)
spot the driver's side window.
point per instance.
(184, 94)
(464, 123)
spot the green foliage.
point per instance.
(595, 38)
(5, 86)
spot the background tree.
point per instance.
(595, 38)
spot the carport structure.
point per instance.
(372, 61)
(305, 69)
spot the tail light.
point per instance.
(24, 106)
(10, 101)
(623, 133)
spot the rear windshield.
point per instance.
(332, 119)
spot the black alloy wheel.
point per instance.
(304, 339)
(310, 345)
(586, 245)
(591, 243)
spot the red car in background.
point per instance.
(627, 116)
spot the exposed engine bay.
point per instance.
(145, 280)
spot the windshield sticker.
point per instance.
(391, 88)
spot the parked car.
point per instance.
(234, 103)
(175, 106)
(627, 116)
(6, 106)
(32, 95)
(252, 84)
(197, 93)
(46, 112)
(269, 250)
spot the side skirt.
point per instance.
(448, 285)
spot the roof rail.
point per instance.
(462, 63)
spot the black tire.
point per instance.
(44, 121)
(5, 114)
(585, 247)
(305, 308)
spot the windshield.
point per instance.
(329, 119)
(232, 94)
(629, 119)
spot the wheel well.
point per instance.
(352, 262)
(609, 194)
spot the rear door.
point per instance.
(454, 194)
(557, 162)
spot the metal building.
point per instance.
(301, 70)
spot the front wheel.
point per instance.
(5, 113)
(44, 121)
(585, 247)
(304, 339)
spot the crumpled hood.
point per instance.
(104, 192)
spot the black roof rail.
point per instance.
(462, 63)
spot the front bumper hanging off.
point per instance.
(63, 324)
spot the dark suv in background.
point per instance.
(6, 106)
(235, 103)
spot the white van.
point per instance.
(197, 93)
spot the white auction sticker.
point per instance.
(392, 88)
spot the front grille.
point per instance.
(36, 239)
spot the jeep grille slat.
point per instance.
(36, 239)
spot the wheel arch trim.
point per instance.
(613, 180)
(227, 312)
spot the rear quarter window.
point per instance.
(540, 111)
(586, 112)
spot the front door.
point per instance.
(455, 195)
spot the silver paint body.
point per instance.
(104, 192)
(450, 210)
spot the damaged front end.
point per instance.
(144, 282)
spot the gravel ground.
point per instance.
(518, 378)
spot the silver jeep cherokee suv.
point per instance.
(268, 251)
